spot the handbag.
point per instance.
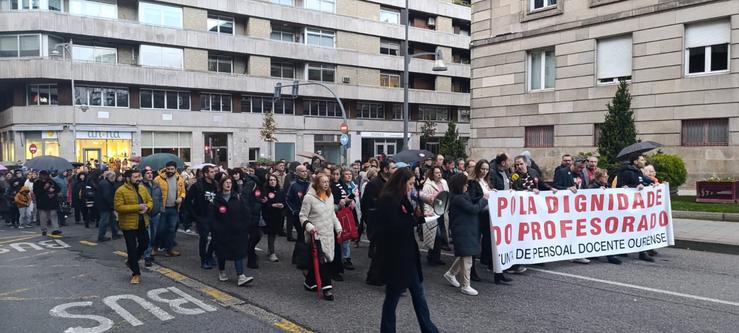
(348, 225)
(426, 234)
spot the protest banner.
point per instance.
(529, 228)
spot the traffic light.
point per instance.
(295, 88)
(278, 91)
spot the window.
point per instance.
(705, 132)
(433, 113)
(165, 99)
(389, 80)
(260, 104)
(707, 47)
(253, 154)
(101, 96)
(283, 2)
(397, 111)
(157, 56)
(221, 24)
(156, 14)
(215, 102)
(539, 136)
(371, 110)
(284, 70)
(14, 46)
(322, 5)
(389, 15)
(614, 59)
(321, 108)
(282, 34)
(320, 72)
(42, 94)
(389, 47)
(539, 4)
(55, 5)
(177, 143)
(541, 69)
(319, 37)
(93, 8)
(220, 63)
(463, 115)
(596, 134)
(107, 55)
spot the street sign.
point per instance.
(344, 128)
(344, 140)
(33, 149)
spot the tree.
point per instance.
(618, 130)
(428, 129)
(452, 146)
(269, 127)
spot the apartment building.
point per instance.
(194, 77)
(544, 70)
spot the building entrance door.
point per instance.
(389, 148)
(91, 155)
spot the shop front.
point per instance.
(41, 143)
(376, 143)
(111, 147)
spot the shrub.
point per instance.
(670, 168)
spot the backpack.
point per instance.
(89, 192)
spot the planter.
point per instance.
(719, 192)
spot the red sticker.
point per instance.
(405, 211)
(257, 193)
(271, 195)
(300, 194)
(222, 209)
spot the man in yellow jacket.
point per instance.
(132, 202)
(173, 192)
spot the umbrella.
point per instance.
(48, 163)
(637, 149)
(412, 156)
(201, 165)
(158, 160)
(316, 265)
(310, 155)
(3, 168)
(136, 159)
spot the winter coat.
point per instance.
(464, 216)
(156, 196)
(630, 176)
(251, 191)
(23, 198)
(61, 181)
(396, 243)
(564, 178)
(126, 204)
(105, 196)
(161, 179)
(273, 216)
(199, 200)
(496, 179)
(77, 186)
(231, 226)
(294, 195)
(45, 193)
(321, 214)
(529, 181)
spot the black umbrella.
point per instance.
(637, 149)
(412, 156)
(48, 163)
(157, 161)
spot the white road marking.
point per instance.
(60, 311)
(633, 286)
(112, 302)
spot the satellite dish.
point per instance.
(441, 203)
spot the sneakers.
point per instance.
(243, 280)
(581, 261)
(469, 291)
(222, 276)
(348, 264)
(273, 258)
(136, 279)
(147, 262)
(172, 253)
(451, 279)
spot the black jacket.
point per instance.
(564, 178)
(463, 224)
(294, 195)
(199, 200)
(273, 216)
(105, 195)
(396, 243)
(45, 193)
(496, 179)
(529, 181)
(230, 226)
(630, 176)
(252, 195)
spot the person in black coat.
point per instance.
(252, 193)
(273, 206)
(230, 230)
(464, 226)
(630, 175)
(396, 244)
(78, 199)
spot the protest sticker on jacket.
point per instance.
(530, 228)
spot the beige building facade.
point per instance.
(544, 70)
(194, 77)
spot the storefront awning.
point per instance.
(30, 128)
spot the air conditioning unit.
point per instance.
(346, 79)
(431, 22)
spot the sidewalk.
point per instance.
(704, 235)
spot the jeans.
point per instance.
(168, 227)
(106, 218)
(205, 247)
(48, 218)
(25, 216)
(136, 243)
(392, 296)
(153, 224)
(346, 250)
(238, 265)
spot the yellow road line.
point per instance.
(218, 295)
(121, 253)
(55, 236)
(88, 243)
(289, 326)
(171, 274)
(18, 239)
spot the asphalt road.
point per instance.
(684, 291)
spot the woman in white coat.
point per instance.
(317, 216)
(434, 185)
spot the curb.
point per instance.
(707, 246)
(728, 217)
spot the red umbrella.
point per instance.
(314, 255)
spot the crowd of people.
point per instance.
(231, 209)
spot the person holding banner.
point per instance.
(600, 181)
(464, 216)
(631, 176)
(527, 179)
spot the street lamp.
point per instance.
(59, 50)
(439, 66)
